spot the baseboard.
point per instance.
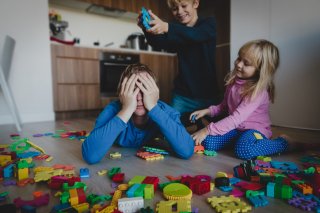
(295, 127)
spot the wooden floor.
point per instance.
(66, 151)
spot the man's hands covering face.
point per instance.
(149, 89)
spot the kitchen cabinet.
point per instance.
(76, 85)
(165, 68)
(76, 78)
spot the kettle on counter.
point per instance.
(137, 41)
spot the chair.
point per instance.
(5, 64)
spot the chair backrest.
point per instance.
(6, 55)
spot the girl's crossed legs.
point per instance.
(248, 144)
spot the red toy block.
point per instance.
(152, 180)
(81, 195)
(39, 201)
(118, 178)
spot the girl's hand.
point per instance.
(198, 114)
(128, 97)
(157, 25)
(200, 135)
(149, 89)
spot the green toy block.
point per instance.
(113, 171)
(286, 192)
(149, 191)
(140, 190)
(277, 190)
(136, 179)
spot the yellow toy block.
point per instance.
(264, 158)
(116, 196)
(107, 209)
(228, 204)
(22, 173)
(49, 159)
(221, 174)
(73, 197)
(82, 207)
(123, 187)
(258, 136)
(180, 206)
(4, 159)
(102, 172)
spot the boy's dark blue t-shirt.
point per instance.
(195, 47)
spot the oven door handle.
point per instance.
(113, 64)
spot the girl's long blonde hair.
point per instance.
(265, 58)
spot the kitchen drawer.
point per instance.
(71, 70)
(78, 97)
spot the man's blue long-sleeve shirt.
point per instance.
(109, 128)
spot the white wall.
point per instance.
(30, 75)
(294, 26)
(91, 28)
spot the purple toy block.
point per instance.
(302, 203)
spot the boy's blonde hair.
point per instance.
(135, 69)
(172, 3)
(265, 58)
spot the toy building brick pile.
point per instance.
(252, 184)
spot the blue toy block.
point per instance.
(270, 189)
(284, 165)
(132, 189)
(225, 188)
(84, 173)
(258, 201)
(145, 18)
(8, 171)
(234, 180)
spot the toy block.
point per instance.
(234, 180)
(249, 186)
(221, 174)
(8, 171)
(148, 191)
(132, 189)
(225, 188)
(302, 203)
(284, 165)
(22, 173)
(155, 150)
(118, 178)
(304, 188)
(82, 207)
(177, 191)
(264, 158)
(152, 180)
(210, 153)
(139, 192)
(221, 181)
(255, 178)
(73, 199)
(286, 192)
(162, 185)
(136, 179)
(25, 181)
(237, 193)
(115, 155)
(39, 201)
(149, 155)
(258, 201)
(130, 205)
(116, 196)
(102, 172)
(114, 171)
(178, 205)
(123, 187)
(84, 173)
(64, 198)
(145, 18)
(270, 189)
(93, 199)
(228, 204)
(263, 164)
(199, 149)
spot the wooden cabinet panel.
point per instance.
(71, 70)
(78, 97)
(165, 67)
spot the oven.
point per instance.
(111, 67)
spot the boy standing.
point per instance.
(194, 41)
